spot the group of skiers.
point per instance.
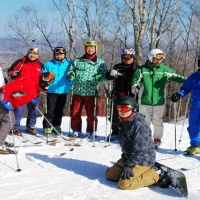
(138, 99)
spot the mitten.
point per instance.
(71, 76)
(127, 173)
(176, 97)
(115, 73)
(15, 74)
(7, 105)
(97, 78)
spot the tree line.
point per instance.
(170, 25)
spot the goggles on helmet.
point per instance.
(59, 50)
(124, 108)
(160, 55)
(34, 50)
(127, 57)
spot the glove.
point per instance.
(175, 97)
(115, 73)
(127, 173)
(15, 74)
(71, 76)
(97, 78)
(34, 103)
(135, 89)
(6, 104)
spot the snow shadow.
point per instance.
(90, 170)
(165, 191)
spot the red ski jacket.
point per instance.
(26, 67)
(21, 91)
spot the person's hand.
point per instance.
(115, 73)
(175, 97)
(127, 173)
(7, 105)
(15, 74)
(33, 103)
(71, 76)
(97, 78)
(135, 89)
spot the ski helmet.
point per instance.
(128, 52)
(91, 43)
(127, 100)
(155, 53)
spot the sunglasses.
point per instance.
(124, 108)
(34, 50)
(60, 50)
(127, 57)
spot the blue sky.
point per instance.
(9, 7)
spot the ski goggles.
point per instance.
(49, 78)
(60, 50)
(124, 108)
(34, 50)
(160, 55)
(127, 57)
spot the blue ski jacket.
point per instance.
(192, 85)
(61, 84)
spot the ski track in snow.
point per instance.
(80, 174)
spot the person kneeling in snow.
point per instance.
(17, 93)
(135, 168)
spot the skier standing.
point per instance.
(192, 85)
(29, 66)
(88, 71)
(57, 92)
(121, 74)
(17, 93)
(135, 168)
(152, 77)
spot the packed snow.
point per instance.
(80, 174)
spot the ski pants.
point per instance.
(194, 126)
(55, 106)
(154, 115)
(7, 122)
(143, 176)
(77, 104)
(31, 118)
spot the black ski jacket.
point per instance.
(122, 84)
(135, 139)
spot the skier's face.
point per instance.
(124, 111)
(59, 56)
(156, 60)
(90, 50)
(127, 59)
(33, 56)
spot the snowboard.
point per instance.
(171, 178)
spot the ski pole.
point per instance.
(184, 118)
(95, 114)
(70, 104)
(175, 149)
(107, 98)
(60, 135)
(18, 169)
